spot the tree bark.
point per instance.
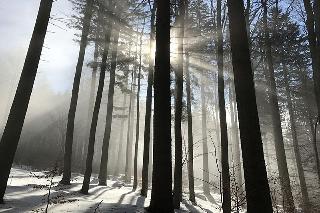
(161, 194)
(276, 120)
(256, 181)
(95, 114)
(147, 121)
(74, 97)
(11, 135)
(107, 130)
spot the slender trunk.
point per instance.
(205, 152)
(313, 27)
(226, 204)
(120, 143)
(311, 124)
(161, 194)
(190, 134)
(11, 135)
(236, 142)
(276, 120)
(177, 195)
(256, 181)
(136, 146)
(107, 130)
(74, 97)
(302, 180)
(147, 121)
(128, 166)
(95, 114)
(91, 97)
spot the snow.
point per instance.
(28, 190)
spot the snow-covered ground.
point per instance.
(28, 191)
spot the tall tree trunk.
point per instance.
(256, 181)
(226, 204)
(276, 120)
(177, 195)
(92, 91)
(161, 194)
(147, 121)
(120, 143)
(313, 27)
(107, 130)
(136, 146)
(95, 114)
(302, 180)
(11, 135)
(128, 166)
(235, 135)
(190, 134)
(75, 92)
(205, 151)
(303, 80)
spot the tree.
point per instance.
(74, 97)
(135, 167)
(161, 194)
(190, 134)
(256, 181)
(205, 151)
(147, 121)
(177, 195)
(302, 180)
(226, 204)
(275, 116)
(95, 114)
(107, 131)
(11, 135)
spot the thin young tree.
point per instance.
(136, 146)
(192, 197)
(161, 194)
(205, 150)
(226, 204)
(75, 92)
(177, 194)
(256, 181)
(107, 131)
(147, 121)
(11, 135)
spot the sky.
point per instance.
(59, 55)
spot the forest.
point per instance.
(160, 106)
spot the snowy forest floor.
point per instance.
(28, 191)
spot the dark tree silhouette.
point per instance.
(135, 163)
(256, 181)
(177, 198)
(11, 135)
(147, 121)
(97, 105)
(107, 130)
(161, 194)
(75, 92)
